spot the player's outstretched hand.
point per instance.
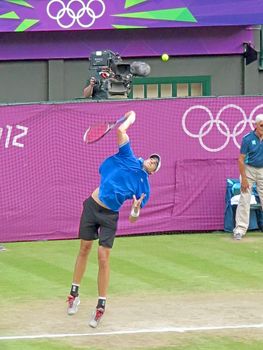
(137, 202)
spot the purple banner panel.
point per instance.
(47, 170)
(128, 43)
(57, 15)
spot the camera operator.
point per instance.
(93, 90)
(111, 77)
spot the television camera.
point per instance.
(113, 75)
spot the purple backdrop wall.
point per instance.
(130, 43)
(47, 171)
(52, 15)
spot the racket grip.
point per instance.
(128, 115)
(122, 119)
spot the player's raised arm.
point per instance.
(122, 136)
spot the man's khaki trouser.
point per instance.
(254, 175)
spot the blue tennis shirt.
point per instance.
(122, 176)
(252, 147)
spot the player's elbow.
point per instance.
(122, 137)
(120, 131)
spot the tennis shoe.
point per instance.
(96, 317)
(237, 236)
(73, 303)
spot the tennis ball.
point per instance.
(165, 57)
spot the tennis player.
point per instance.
(122, 177)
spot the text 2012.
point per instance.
(12, 135)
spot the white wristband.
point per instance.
(133, 214)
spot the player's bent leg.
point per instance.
(80, 267)
(103, 282)
(104, 270)
(81, 262)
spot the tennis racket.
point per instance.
(97, 131)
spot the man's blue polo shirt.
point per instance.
(122, 176)
(252, 147)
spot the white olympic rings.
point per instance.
(77, 14)
(221, 126)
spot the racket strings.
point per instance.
(95, 132)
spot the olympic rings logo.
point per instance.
(220, 125)
(71, 10)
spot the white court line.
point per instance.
(134, 331)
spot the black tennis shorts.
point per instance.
(97, 222)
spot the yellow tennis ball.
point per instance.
(165, 57)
